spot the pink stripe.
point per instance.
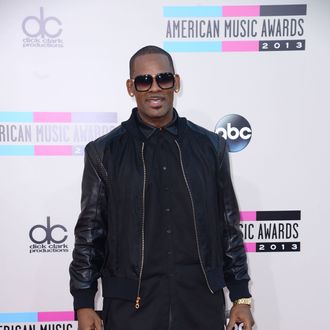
(240, 11)
(250, 247)
(52, 150)
(55, 316)
(248, 216)
(52, 117)
(240, 46)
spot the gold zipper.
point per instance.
(138, 298)
(194, 216)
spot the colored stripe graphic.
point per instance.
(240, 46)
(238, 11)
(52, 117)
(234, 11)
(37, 317)
(57, 117)
(55, 316)
(94, 117)
(283, 10)
(16, 117)
(250, 247)
(292, 215)
(192, 11)
(211, 46)
(233, 46)
(9, 150)
(18, 317)
(248, 216)
(193, 46)
(278, 215)
(41, 150)
(52, 150)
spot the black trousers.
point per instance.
(180, 301)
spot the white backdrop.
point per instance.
(63, 67)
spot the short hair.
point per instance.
(149, 50)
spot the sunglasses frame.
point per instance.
(154, 77)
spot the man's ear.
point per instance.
(130, 87)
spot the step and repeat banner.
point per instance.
(256, 73)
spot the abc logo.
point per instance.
(34, 26)
(236, 130)
(40, 234)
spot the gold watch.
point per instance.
(243, 301)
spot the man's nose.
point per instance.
(154, 86)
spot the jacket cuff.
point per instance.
(238, 289)
(83, 298)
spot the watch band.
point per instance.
(243, 301)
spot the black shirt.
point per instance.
(169, 225)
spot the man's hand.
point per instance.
(240, 314)
(88, 319)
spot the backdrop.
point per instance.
(255, 72)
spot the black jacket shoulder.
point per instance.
(100, 143)
(218, 142)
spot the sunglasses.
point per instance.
(165, 80)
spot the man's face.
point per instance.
(155, 106)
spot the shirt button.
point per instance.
(168, 210)
(164, 168)
(166, 188)
(169, 231)
(169, 252)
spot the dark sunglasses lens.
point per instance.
(165, 80)
(143, 83)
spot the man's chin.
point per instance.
(156, 112)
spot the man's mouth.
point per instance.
(155, 101)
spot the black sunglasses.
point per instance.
(164, 80)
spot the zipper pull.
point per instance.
(137, 302)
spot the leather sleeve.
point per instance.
(90, 233)
(235, 261)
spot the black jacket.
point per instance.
(110, 230)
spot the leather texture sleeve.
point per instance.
(90, 233)
(235, 261)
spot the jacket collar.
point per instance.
(148, 130)
(144, 131)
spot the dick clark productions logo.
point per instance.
(42, 30)
(49, 238)
(236, 130)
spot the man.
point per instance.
(159, 221)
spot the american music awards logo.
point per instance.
(213, 28)
(51, 133)
(271, 231)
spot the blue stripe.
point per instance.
(192, 11)
(9, 150)
(18, 317)
(193, 46)
(16, 117)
